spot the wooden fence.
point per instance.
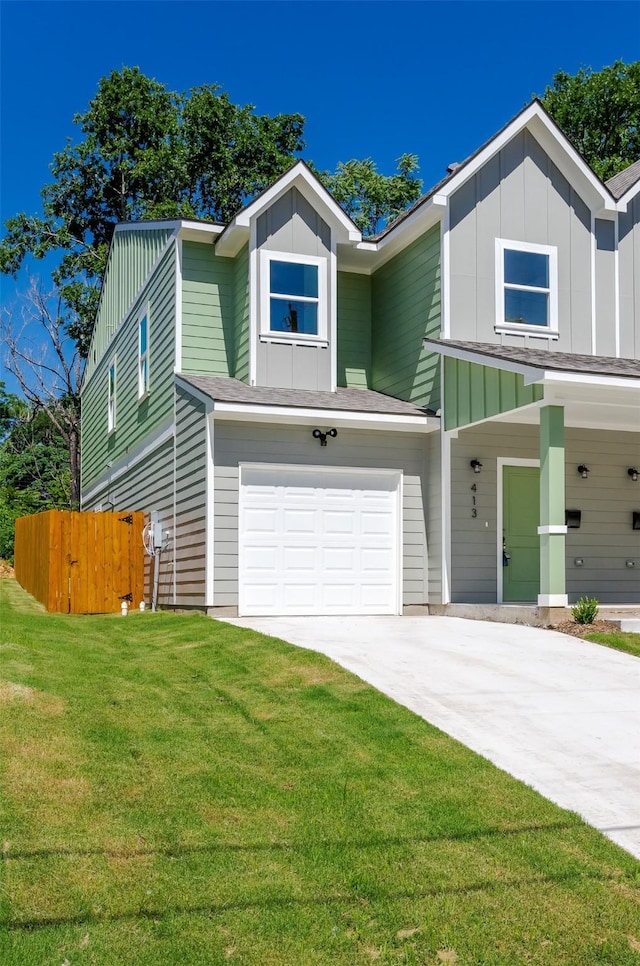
(81, 563)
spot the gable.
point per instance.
(133, 253)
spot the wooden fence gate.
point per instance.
(81, 563)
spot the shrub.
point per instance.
(585, 610)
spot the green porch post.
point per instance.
(552, 529)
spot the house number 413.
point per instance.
(474, 512)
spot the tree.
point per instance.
(34, 471)
(146, 153)
(48, 367)
(600, 113)
(372, 199)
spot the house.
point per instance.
(445, 414)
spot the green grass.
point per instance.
(178, 791)
(626, 641)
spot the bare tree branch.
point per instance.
(47, 365)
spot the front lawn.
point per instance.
(179, 791)
(627, 641)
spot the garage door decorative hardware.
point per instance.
(318, 434)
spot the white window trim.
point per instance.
(112, 413)
(143, 391)
(502, 326)
(266, 334)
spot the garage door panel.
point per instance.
(261, 559)
(300, 521)
(318, 541)
(374, 523)
(375, 560)
(339, 558)
(299, 558)
(260, 520)
(299, 596)
(340, 522)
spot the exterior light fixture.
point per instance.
(633, 473)
(475, 465)
(583, 471)
(318, 434)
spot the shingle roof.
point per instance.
(549, 359)
(348, 400)
(621, 182)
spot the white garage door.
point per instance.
(318, 541)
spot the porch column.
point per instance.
(552, 527)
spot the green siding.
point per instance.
(131, 257)
(474, 392)
(241, 316)
(354, 330)
(406, 309)
(207, 311)
(134, 420)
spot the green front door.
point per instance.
(520, 518)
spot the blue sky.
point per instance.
(373, 79)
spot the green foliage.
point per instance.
(146, 153)
(372, 199)
(34, 471)
(600, 113)
(585, 610)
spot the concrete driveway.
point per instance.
(557, 712)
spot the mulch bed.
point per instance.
(6, 570)
(581, 630)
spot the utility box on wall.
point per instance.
(81, 563)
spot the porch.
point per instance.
(541, 482)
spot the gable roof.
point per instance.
(299, 176)
(544, 128)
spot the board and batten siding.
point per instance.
(208, 311)
(354, 330)
(607, 499)
(520, 195)
(473, 392)
(405, 300)
(248, 443)
(191, 501)
(148, 486)
(131, 257)
(629, 275)
(291, 225)
(241, 315)
(135, 419)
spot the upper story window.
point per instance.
(293, 299)
(526, 288)
(111, 397)
(143, 356)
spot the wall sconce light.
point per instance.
(583, 471)
(318, 434)
(475, 465)
(633, 473)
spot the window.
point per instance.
(526, 288)
(143, 356)
(294, 297)
(111, 398)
